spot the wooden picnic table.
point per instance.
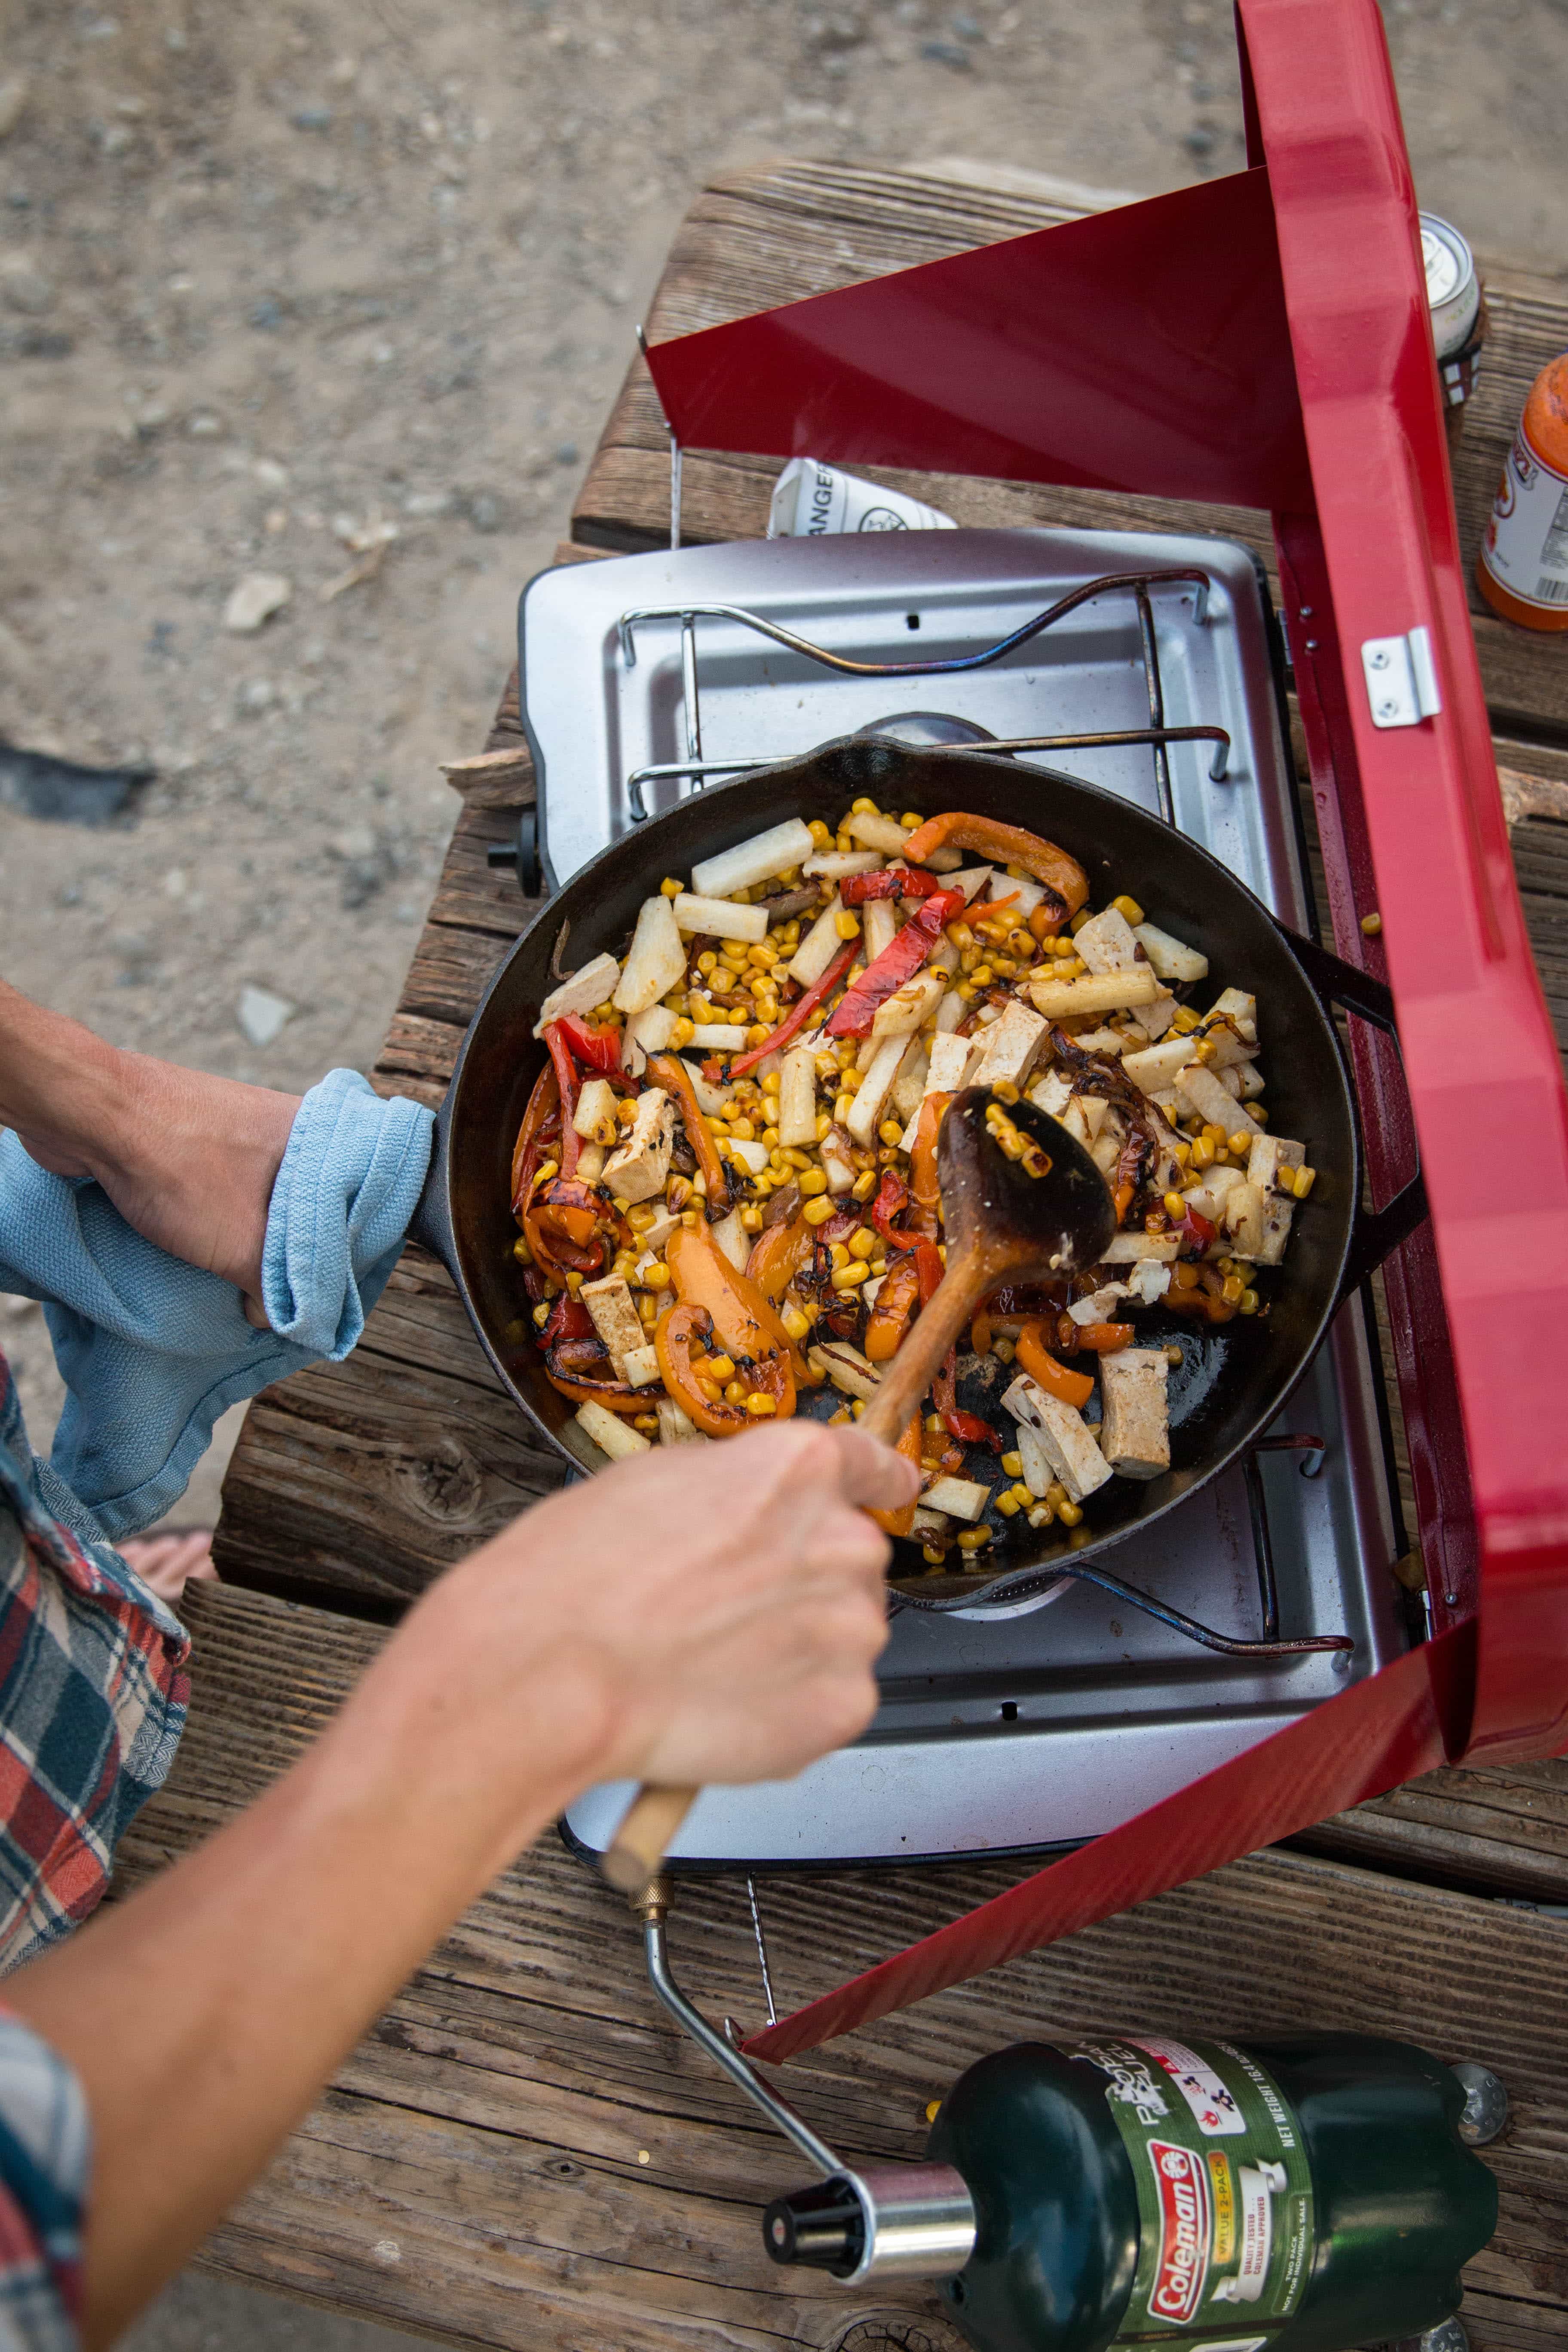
(524, 2152)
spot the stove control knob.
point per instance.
(521, 854)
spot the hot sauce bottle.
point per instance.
(1522, 569)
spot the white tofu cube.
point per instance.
(883, 833)
(1268, 1154)
(729, 1236)
(1106, 942)
(581, 991)
(909, 1007)
(1051, 1094)
(1278, 1210)
(951, 1058)
(1235, 1004)
(615, 1318)
(951, 1009)
(750, 862)
(846, 1367)
(674, 1428)
(837, 1166)
(1012, 1047)
(1074, 1456)
(720, 919)
(1148, 1282)
(645, 1033)
(639, 1366)
(1099, 1307)
(1170, 959)
(819, 947)
(959, 1499)
(1154, 1019)
(971, 880)
(640, 1168)
(909, 1080)
(1243, 1218)
(878, 922)
(1128, 1249)
(1135, 1433)
(1038, 1470)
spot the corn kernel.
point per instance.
(817, 1211)
(863, 1244)
(1372, 925)
(965, 988)
(1022, 1493)
(1128, 908)
(521, 1252)
(1004, 1090)
(648, 1307)
(935, 1423)
(542, 1313)
(743, 1130)
(770, 1137)
(1232, 1289)
(574, 1283)
(865, 1185)
(1247, 1302)
(933, 1555)
(1013, 1464)
(1182, 1152)
(1241, 1142)
(879, 1267)
(761, 1406)
(797, 1324)
(819, 833)
(1041, 1514)
(972, 1539)
(812, 1183)
(839, 1254)
(1062, 949)
(707, 961)
(863, 807)
(669, 889)
(1175, 1207)
(858, 1410)
(960, 935)
(690, 1217)
(843, 1104)
(1203, 1152)
(683, 1033)
(762, 957)
(606, 1012)
(752, 1218)
(1008, 1504)
(1056, 1494)
(1003, 1351)
(890, 1131)
(1075, 922)
(1069, 1514)
(736, 1392)
(543, 1174)
(847, 924)
(850, 1277)
(1183, 1021)
(1305, 1177)
(1012, 1143)
(646, 1422)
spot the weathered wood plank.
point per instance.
(524, 2153)
(778, 233)
(1497, 1832)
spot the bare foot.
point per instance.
(169, 1563)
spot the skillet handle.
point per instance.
(431, 1223)
(647, 1825)
(1376, 1232)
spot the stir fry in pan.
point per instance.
(726, 1177)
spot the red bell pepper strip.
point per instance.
(566, 1078)
(540, 1123)
(900, 961)
(569, 1319)
(668, 1070)
(893, 882)
(892, 1198)
(800, 1013)
(597, 1049)
(1197, 1229)
(967, 1427)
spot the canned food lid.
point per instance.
(1453, 288)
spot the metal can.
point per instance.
(1459, 314)
(1522, 569)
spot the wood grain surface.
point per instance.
(524, 2152)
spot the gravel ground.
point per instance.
(348, 289)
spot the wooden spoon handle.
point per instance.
(940, 1321)
(649, 1822)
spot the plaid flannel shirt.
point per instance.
(93, 1693)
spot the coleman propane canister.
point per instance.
(1305, 2195)
(1522, 569)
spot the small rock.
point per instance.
(427, 502)
(354, 841)
(71, 895)
(484, 512)
(176, 882)
(204, 426)
(265, 315)
(114, 140)
(26, 289)
(253, 599)
(133, 948)
(13, 104)
(1200, 141)
(947, 53)
(312, 118)
(261, 1016)
(271, 474)
(566, 454)
(968, 28)
(257, 695)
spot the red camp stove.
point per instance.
(1260, 340)
(1044, 1721)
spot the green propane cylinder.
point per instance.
(1303, 2194)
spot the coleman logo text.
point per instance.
(1182, 2260)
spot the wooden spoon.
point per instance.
(1001, 1225)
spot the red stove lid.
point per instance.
(1265, 340)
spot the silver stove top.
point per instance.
(1055, 1721)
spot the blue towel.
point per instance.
(152, 1350)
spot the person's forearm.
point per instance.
(204, 2014)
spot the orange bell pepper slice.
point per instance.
(902, 1522)
(925, 1186)
(614, 1395)
(668, 1070)
(778, 1254)
(1067, 1388)
(527, 1152)
(747, 1322)
(889, 1318)
(1005, 845)
(677, 1337)
(1105, 1338)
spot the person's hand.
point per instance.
(706, 1613)
(190, 1160)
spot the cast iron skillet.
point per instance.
(1233, 1378)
